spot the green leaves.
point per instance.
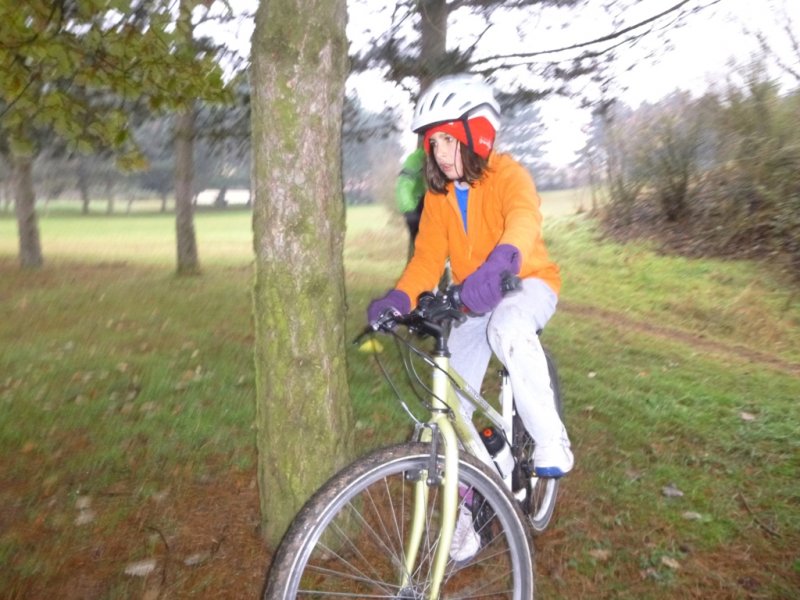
(21, 146)
(76, 71)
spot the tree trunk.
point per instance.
(184, 164)
(184, 211)
(433, 40)
(304, 418)
(219, 201)
(110, 197)
(30, 248)
(8, 196)
(83, 186)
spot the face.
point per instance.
(447, 152)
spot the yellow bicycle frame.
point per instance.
(451, 426)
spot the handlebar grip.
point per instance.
(510, 283)
(454, 292)
(424, 299)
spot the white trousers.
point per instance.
(510, 332)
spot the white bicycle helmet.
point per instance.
(455, 97)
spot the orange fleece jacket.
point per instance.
(503, 208)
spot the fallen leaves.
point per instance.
(85, 513)
(85, 517)
(671, 491)
(633, 475)
(600, 554)
(141, 568)
(197, 559)
(670, 563)
(190, 377)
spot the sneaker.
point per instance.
(466, 541)
(553, 460)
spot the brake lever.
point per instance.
(387, 320)
(364, 333)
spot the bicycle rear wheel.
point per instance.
(541, 493)
(349, 540)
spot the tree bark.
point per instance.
(83, 186)
(110, 196)
(188, 263)
(30, 248)
(304, 418)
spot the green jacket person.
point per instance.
(409, 192)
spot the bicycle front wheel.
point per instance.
(351, 539)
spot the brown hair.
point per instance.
(474, 168)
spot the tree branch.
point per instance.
(605, 38)
(767, 49)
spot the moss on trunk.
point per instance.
(304, 421)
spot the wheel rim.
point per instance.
(540, 493)
(361, 553)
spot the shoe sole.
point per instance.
(551, 472)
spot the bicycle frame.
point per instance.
(385, 525)
(448, 422)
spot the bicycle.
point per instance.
(383, 526)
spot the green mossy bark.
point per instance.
(304, 419)
(187, 257)
(30, 247)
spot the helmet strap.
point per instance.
(467, 130)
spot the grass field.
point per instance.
(224, 237)
(127, 410)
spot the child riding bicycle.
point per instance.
(482, 212)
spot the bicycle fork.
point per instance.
(439, 427)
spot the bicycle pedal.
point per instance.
(527, 468)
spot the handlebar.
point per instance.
(434, 312)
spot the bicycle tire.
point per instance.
(541, 493)
(365, 509)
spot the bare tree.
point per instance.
(787, 64)
(670, 157)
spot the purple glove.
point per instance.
(482, 291)
(394, 299)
